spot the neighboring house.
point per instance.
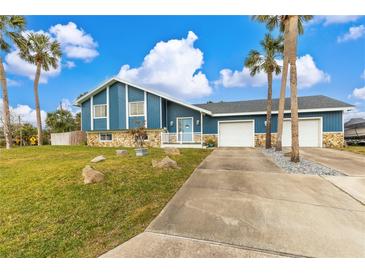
(355, 131)
(117, 105)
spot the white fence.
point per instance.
(68, 138)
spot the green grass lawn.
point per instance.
(47, 211)
(355, 149)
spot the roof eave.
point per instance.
(286, 111)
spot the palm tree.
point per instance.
(60, 120)
(43, 52)
(10, 27)
(291, 25)
(256, 62)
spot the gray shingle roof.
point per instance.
(305, 102)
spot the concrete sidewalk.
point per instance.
(247, 207)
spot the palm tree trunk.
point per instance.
(37, 107)
(6, 111)
(293, 34)
(284, 78)
(268, 111)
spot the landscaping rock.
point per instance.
(98, 159)
(121, 152)
(91, 175)
(172, 151)
(165, 163)
(282, 160)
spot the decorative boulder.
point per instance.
(91, 175)
(121, 152)
(98, 159)
(172, 151)
(165, 163)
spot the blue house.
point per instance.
(111, 109)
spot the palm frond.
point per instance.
(39, 48)
(10, 28)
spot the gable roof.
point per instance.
(115, 79)
(305, 104)
(250, 107)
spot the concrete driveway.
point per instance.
(240, 204)
(346, 162)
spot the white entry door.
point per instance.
(236, 133)
(309, 133)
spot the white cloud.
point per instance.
(69, 64)
(231, 79)
(307, 72)
(75, 42)
(13, 83)
(173, 67)
(358, 93)
(26, 113)
(356, 113)
(14, 64)
(338, 19)
(67, 105)
(354, 33)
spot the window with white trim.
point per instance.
(100, 111)
(136, 108)
(105, 137)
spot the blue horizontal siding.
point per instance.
(175, 110)
(135, 94)
(153, 111)
(117, 109)
(332, 121)
(86, 115)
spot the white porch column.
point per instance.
(107, 109)
(145, 109)
(126, 108)
(92, 112)
(201, 128)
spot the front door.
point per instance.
(185, 129)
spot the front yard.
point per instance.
(47, 211)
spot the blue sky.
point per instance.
(197, 58)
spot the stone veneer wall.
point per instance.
(330, 139)
(261, 137)
(123, 139)
(333, 139)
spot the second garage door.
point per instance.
(309, 132)
(236, 133)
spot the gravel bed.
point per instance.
(303, 167)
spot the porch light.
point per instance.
(171, 123)
(197, 122)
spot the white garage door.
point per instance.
(236, 133)
(309, 133)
